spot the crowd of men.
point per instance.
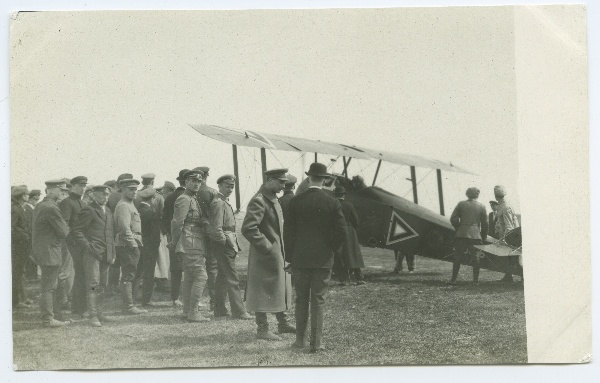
(89, 241)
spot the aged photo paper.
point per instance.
(501, 92)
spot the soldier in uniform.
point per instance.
(206, 195)
(128, 242)
(70, 208)
(269, 285)
(112, 186)
(175, 265)
(114, 272)
(151, 240)
(316, 228)
(93, 232)
(225, 248)
(469, 218)
(288, 194)
(49, 230)
(188, 239)
(115, 197)
(158, 203)
(20, 240)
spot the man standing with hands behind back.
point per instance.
(316, 227)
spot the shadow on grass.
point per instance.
(175, 344)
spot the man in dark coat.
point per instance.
(31, 269)
(151, 240)
(70, 208)
(492, 219)
(469, 218)
(316, 228)
(93, 233)
(175, 265)
(269, 286)
(20, 240)
(350, 252)
(49, 230)
(288, 194)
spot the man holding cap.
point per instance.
(225, 248)
(19, 246)
(269, 286)
(316, 228)
(188, 240)
(206, 195)
(469, 218)
(49, 230)
(128, 242)
(93, 233)
(70, 208)
(175, 266)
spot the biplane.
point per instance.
(386, 220)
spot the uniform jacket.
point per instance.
(506, 219)
(315, 229)
(186, 226)
(113, 200)
(169, 206)
(49, 229)
(350, 252)
(94, 233)
(206, 195)
(222, 223)
(128, 225)
(150, 226)
(492, 218)
(470, 220)
(19, 227)
(70, 208)
(269, 286)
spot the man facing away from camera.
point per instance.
(316, 228)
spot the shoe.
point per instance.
(149, 304)
(506, 278)
(22, 305)
(244, 316)
(95, 322)
(411, 271)
(267, 335)
(286, 329)
(221, 317)
(197, 317)
(134, 311)
(177, 303)
(317, 350)
(451, 282)
(396, 272)
(55, 323)
(62, 317)
(299, 343)
(78, 317)
(104, 318)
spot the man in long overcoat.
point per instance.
(49, 230)
(316, 228)
(20, 240)
(93, 233)
(269, 286)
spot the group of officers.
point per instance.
(111, 233)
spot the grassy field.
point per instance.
(401, 319)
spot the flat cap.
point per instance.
(279, 174)
(181, 176)
(195, 174)
(79, 180)
(35, 192)
(227, 178)
(339, 190)
(147, 193)
(111, 183)
(169, 185)
(17, 191)
(291, 179)
(129, 183)
(204, 169)
(124, 176)
(148, 176)
(100, 188)
(57, 184)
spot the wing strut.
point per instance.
(237, 178)
(413, 179)
(440, 190)
(346, 163)
(316, 160)
(263, 160)
(376, 172)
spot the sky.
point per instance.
(104, 93)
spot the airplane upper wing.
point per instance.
(295, 144)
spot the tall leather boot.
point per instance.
(301, 325)
(127, 295)
(262, 330)
(455, 270)
(475, 274)
(316, 329)
(93, 308)
(283, 323)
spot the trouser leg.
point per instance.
(228, 283)
(199, 277)
(302, 283)
(186, 290)
(262, 324)
(460, 248)
(357, 274)
(92, 281)
(78, 303)
(474, 262)
(18, 286)
(399, 257)
(114, 275)
(49, 282)
(176, 269)
(65, 277)
(211, 269)
(318, 288)
(410, 261)
(128, 258)
(148, 273)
